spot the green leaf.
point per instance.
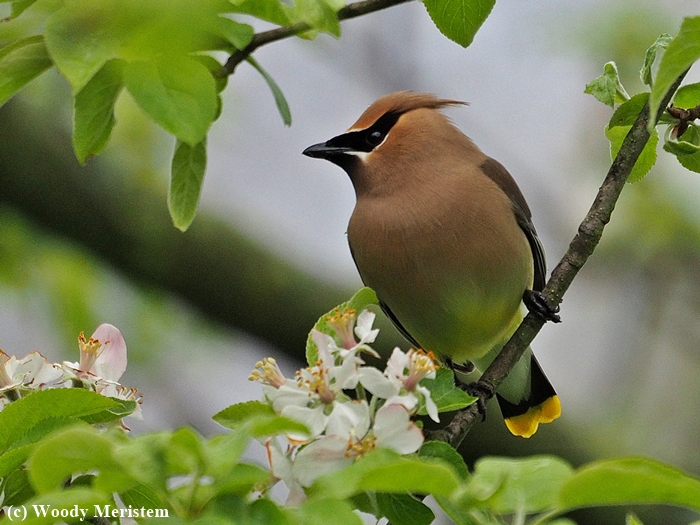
(81, 38)
(242, 479)
(76, 450)
(660, 43)
(404, 509)
(16, 488)
(19, 6)
(24, 414)
(363, 298)
(323, 512)
(607, 88)
(94, 110)
(444, 452)
(186, 178)
(280, 101)
(141, 496)
(238, 34)
(446, 395)
(687, 96)
(627, 481)
(626, 114)
(631, 519)
(319, 14)
(21, 62)
(178, 93)
(682, 51)
(259, 418)
(270, 10)
(687, 144)
(383, 470)
(459, 20)
(236, 415)
(645, 161)
(506, 485)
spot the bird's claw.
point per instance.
(482, 391)
(539, 305)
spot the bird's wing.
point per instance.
(498, 174)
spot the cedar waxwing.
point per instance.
(444, 236)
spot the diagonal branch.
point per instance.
(580, 249)
(266, 37)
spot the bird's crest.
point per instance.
(399, 103)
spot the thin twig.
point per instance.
(260, 39)
(580, 249)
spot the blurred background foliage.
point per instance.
(266, 254)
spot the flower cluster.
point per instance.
(344, 428)
(102, 363)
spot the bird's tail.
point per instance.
(534, 405)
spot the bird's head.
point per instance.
(395, 133)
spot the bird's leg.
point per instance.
(481, 390)
(539, 305)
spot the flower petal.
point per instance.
(111, 361)
(320, 457)
(394, 429)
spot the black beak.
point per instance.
(324, 151)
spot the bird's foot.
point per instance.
(482, 391)
(461, 368)
(539, 305)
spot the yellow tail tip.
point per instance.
(525, 425)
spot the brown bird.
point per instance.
(444, 236)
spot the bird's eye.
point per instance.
(375, 138)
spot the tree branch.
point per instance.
(260, 39)
(580, 249)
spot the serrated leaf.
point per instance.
(646, 159)
(607, 88)
(94, 110)
(21, 62)
(459, 20)
(506, 485)
(363, 298)
(687, 96)
(19, 417)
(680, 54)
(446, 395)
(627, 481)
(660, 44)
(178, 93)
(404, 509)
(280, 101)
(186, 178)
(626, 114)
